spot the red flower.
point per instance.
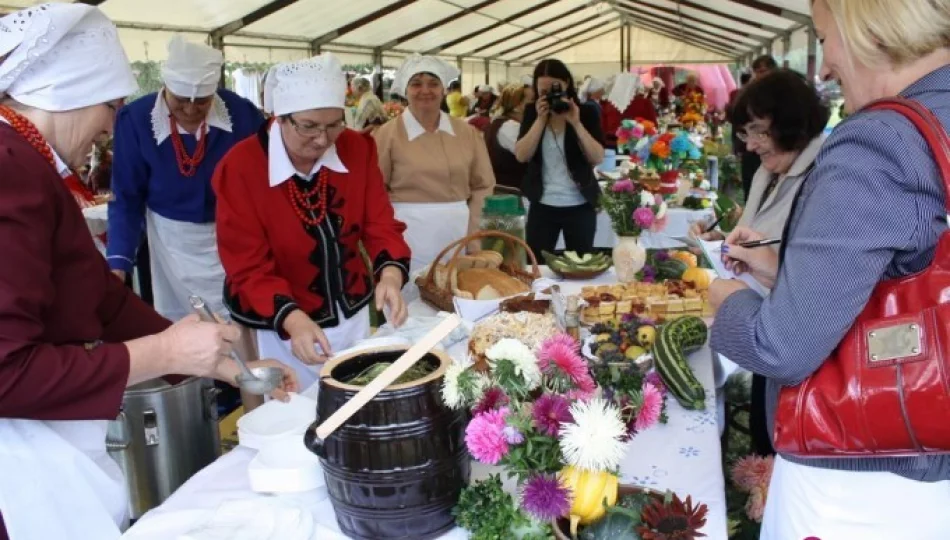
(678, 520)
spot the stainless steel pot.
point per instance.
(163, 435)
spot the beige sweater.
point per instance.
(436, 167)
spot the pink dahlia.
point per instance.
(485, 436)
(755, 504)
(560, 353)
(549, 412)
(752, 471)
(643, 217)
(622, 186)
(493, 398)
(650, 410)
(544, 497)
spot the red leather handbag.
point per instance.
(885, 390)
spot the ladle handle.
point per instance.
(204, 311)
(388, 376)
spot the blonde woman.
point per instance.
(871, 210)
(502, 135)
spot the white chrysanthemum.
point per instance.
(705, 185)
(594, 441)
(646, 199)
(661, 211)
(451, 393)
(525, 362)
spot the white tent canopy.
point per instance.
(497, 37)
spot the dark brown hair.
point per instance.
(794, 107)
(556, 69)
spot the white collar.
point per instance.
(61, 166)
(415, 130)
(280, 168)
(218, 116)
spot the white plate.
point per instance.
(275, 420)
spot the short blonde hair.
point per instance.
(512, 97)
(899, 31)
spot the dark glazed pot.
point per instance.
(395, 469)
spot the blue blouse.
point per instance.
(873, 209)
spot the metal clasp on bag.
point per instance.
(894, 342)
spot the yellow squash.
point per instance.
(589, 490)
(699, 277)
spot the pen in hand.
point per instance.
(759, 243)
(714, 223)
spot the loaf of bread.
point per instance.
(487, 284)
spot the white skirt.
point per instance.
(341, 337)
(430, 227)
(831, 504)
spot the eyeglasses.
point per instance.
(313, 130)
(752, 135)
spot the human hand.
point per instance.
(305, 335)
(573, 114)
(82, 202)
(389, 295)
(120, 274)
(198, 348)
(697, 229)
(720, 289)
(543, 106)
(760, 262)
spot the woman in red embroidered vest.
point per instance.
(72, 336)
(294, 204)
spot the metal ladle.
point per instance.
(258, 381)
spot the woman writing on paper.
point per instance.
(872, 209)
(72, 336)
(295, 202)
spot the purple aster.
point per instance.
(549, 412)
(512, 435)
(544, 498)
(654, 378)
(661, 256)
(494, 398)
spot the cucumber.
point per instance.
(670, 269)
(675, 340)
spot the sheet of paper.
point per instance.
(713, 251)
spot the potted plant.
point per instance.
(632, 210)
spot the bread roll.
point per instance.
(489, 284)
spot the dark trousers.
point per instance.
(758, 423)
(750, 163)
(546, 223)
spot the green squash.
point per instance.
(618, 523)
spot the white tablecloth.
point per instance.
(683, 455)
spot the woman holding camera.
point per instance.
(561, 141)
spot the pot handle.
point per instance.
(384, 379)
(118, 438)
(313, 443)
(209, 401)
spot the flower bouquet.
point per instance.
(555, 424)
(633, 209)
(632, 131)
(749, 481)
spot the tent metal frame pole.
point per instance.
(361, 22)
(680, 19)
(490, 27)
(812, 68)
(629, 48)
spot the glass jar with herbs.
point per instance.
(504, 213)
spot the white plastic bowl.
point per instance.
(275, 420)
(285, 466)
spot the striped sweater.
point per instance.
(872, 209)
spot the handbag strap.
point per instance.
(929, 126)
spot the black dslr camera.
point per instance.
(557, 99)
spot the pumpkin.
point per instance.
(591, 493)
(699, 277)
(687, 257)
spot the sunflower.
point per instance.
(676, 520)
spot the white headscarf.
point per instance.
(624, 89)
(417, 64)
(192, 70)
(315, 83)
(62, 57)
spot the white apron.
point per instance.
(57, 481)
(184, 262)
(341, 337)
(829, 504)
(430, 227)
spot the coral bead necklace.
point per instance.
(188, 165)
(311, 213)
(28, 131)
